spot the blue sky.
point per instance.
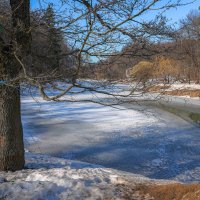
(174, 14)
(179, 13)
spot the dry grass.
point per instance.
(184, 92)
(163, 89)
(157, 192)
(158, 88)
(172, 192)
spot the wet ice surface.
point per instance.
(137, 139)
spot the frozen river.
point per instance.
(133, 138)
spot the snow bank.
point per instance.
(52, 178)
(191, 86)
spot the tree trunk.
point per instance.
(11, 135)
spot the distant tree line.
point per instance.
(49, 50)
(176, 59)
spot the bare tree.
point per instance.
(190, 44)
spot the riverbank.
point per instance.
(184, 107)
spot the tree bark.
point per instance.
(11, 134)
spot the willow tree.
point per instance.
(94, 30)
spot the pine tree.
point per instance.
(54, 38)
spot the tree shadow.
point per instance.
(160, 152)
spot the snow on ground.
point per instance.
(180, 87)
(133, 138)
(191, 86)
(49, 178)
